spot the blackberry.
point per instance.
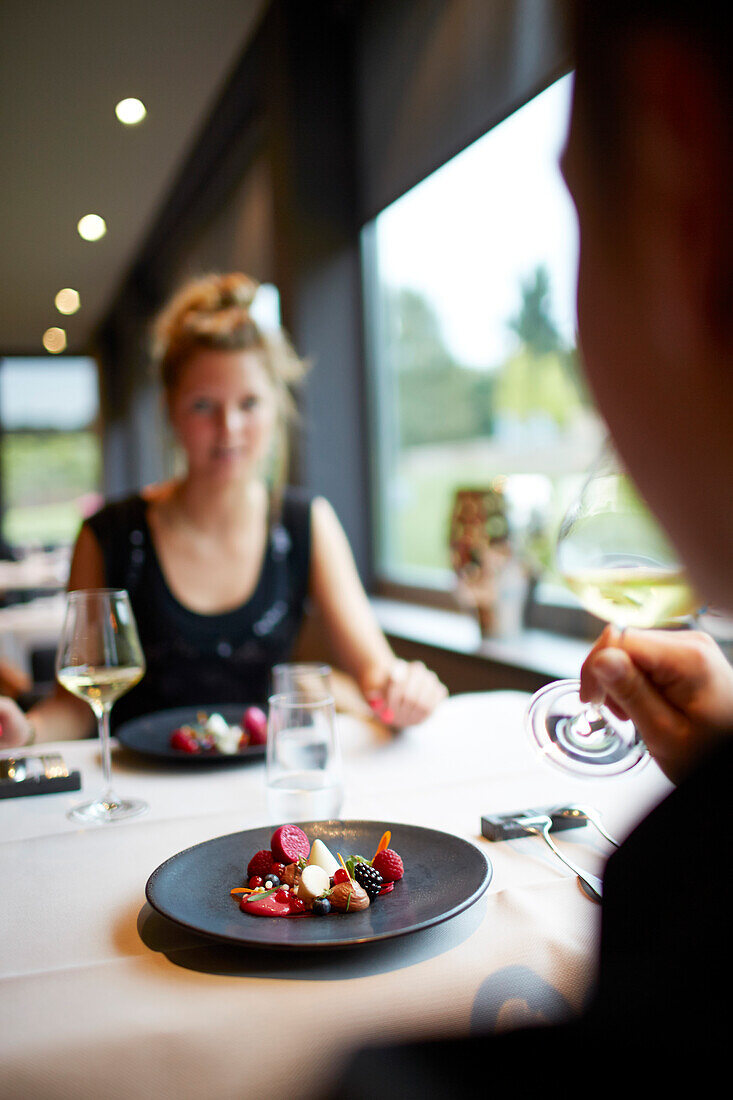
(369, 879)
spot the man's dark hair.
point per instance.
(600, 31)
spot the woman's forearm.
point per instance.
(61, 717)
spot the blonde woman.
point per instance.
(221, 560)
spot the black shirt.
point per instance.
(194, 659)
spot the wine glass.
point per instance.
(612, 554)
(99, 658)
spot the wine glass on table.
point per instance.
(99, 658)
(613, 556)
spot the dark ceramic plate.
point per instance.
(150, 735)
(443, 876)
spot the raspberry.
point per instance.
(260, 863)
(389, 865)
(184, 740)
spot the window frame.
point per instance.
(548, 607)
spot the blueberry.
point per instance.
(321, 907)
(271, 882)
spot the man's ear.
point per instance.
(680, 152)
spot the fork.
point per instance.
(592, 815)
(540, 826)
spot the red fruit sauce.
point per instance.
(269, 906)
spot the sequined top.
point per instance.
(196, 659)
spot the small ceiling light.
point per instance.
(130, 111)
(91, 227)
(54, 340)
(67, 301)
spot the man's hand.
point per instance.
(675, 686)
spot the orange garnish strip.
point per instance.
(241, 890)
(344, 866)
(384, 842)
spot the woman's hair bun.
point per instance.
(237, 290)
(213, 311)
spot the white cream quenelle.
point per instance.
(321, 856)
(226, 737)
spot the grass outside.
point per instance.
(48, 479)
(427, 477)
(43, 524)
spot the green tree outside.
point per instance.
(440, 402)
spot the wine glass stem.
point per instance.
(104, 741)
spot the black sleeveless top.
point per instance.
(202, 660)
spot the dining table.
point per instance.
(104, 995)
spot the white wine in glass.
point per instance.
(99, 658)
(612, 554)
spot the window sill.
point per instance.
(451, 644)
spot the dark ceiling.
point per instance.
(63, 67)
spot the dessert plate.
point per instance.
(443, 876)
(150, 735)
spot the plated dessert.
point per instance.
(443, 875)
(299, 877)
(212, 733)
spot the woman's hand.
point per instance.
(675, 686)
(401, 693)
(15, 729)
(407, 695)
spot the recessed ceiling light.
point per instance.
(67, 300)
(91, 227)
(130, 111)
(54, 340)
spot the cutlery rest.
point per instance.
(509, 826)
(20, 776)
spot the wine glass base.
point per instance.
(581, 737)
(107, 809)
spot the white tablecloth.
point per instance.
(100, 996)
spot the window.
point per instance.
(470, 319)
(50, 455)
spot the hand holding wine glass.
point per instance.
(611, 553)
(676, 686)
(99, 658)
